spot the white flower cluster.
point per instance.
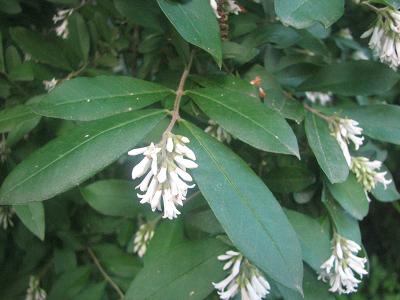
(142, 238)
(50, 84)
(365, 171)
(6, 214)
(166, 178)
(60, 19)
(385, 37)
(343, 265)
(218, 132)
(346, 130)
(244, 278)
(229, 6)
(321, 98)
(34, 292)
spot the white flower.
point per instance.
(165, 184)
(359, 55)
(142, 238)
(229, 6)
(257, 83)
(385, 37)
(61, 20)
(345, 33)
(342, 268)
(346, 130)
(214, 6)
(50, 84)
(218, 132)
(322, 98)
(365, 171)
(34, 292)
(6, 214)
(243, 277)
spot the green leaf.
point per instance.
(32, 215)
(351, 196)
(141, 12)
(69, 284)
(2, 63)
(92, 292)
(246, 209)
(10, 7)
(79, 35)
(247, 119)
(87, 99)
(112, 197)
(185, 272)
(72, 158)
(345, 224)
(289, 179)
(352, 78)
(326, 149)
(304, 13)
(240, 54)
(390, 193)
(11, 118)
(314, 239)
(379, 121)
(196, 23)
(46, 51)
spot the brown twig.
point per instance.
(104, 273)
(318, 113)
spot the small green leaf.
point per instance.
(32, 215)
(72, 158)
(196, 23)
(345, 224)
(352, 78)
(11, 118)
(379, 121)
(112, 197)
(326, 149)
(10, 7)
(246, 209)
(87, 99)
(314, 239)
(289, 179)
(92, 292)
(247, 119)
(184, 272)
(69, 284)
(351, 196)
(79, 35)
(304, 13)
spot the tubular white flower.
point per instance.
(385, 37)
(342, 267)
(34, 292)
(214, 6)
(142, 238)
(366, 172)
(321, 98)
(346, 131)
(243, 277)
(50, 84)
(229, 6)
(61, 20)
(6, 214)
(165, 185)
(218, 132)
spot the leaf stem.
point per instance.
(104, 273)
(318, 113)
(179, 93)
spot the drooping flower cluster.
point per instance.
(6, 214)
(218, 132)
(321, 98)
(257, 83)
(385, 37)
(229, 6)
(34, 292)
(346, 131)
(365, 171)
(50, 84)
(60, 19)
(342, 268)
(243, 277)
(165, 164)
(142, 238)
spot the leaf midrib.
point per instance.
(76, 147)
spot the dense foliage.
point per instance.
(199, 149)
